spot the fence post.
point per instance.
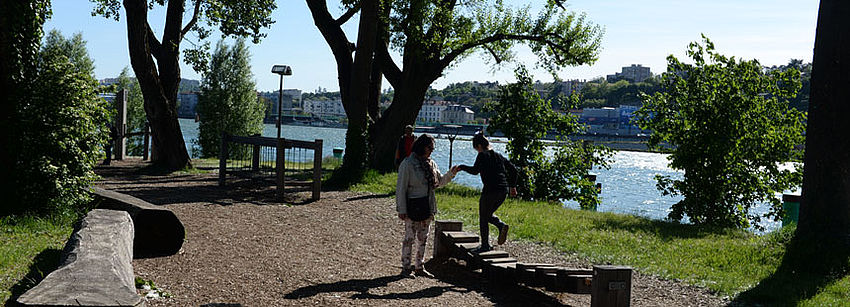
(317, 170)
(121, 124)
(279, 166)
(146, 141)
(222, 159)
(255, 162)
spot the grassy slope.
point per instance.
(29, 250)
(726, 261)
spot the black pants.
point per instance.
(487, 205)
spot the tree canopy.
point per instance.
(732, 129)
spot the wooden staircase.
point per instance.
(608, 285)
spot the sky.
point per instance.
(636, 32)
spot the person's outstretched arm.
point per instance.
(474, 169)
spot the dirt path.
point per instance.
(243, 248)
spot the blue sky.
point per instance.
(636, 32)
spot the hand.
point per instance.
(402, 216)
(513, 192)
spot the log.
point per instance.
(158, 231)
(95, 267)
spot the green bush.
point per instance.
(731, 128)
(541, 177)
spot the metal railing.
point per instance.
(287, 162)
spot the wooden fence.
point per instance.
(288, 162)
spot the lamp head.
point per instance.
(283, 70)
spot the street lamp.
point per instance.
(282, 70)
(452, 137)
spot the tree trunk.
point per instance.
(825, 208)
(159, 86)
(386, 131)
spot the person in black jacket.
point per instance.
(499, 177)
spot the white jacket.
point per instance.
(411, 183)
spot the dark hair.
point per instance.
(479, 139)
(422, 142)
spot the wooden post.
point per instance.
(280, 165)
(442, 247)
(146, 141)
(612, 286)
(121, 124)
(222, 159)
(255, 161)
(317, 170)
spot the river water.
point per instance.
(627, 187)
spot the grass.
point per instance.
(29, 250)
(726, 261)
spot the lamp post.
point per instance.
(452, 137)
(282, 70)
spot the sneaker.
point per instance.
(422, 272)
(503, 234)
(481, 249)
(407, 273)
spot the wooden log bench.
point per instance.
(158, 231)
(95, 267)
(607, 285)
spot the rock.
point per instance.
(158, 231)
(95, 268)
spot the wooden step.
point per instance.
(461, 236)
(526, 273)
(499, 260)
(501, 272)
(493, 254)
(467, 246)
(580, 284)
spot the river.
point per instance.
(627, 187)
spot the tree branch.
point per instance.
(348, 14)
(542, 38)
(194, 20)
(153, 42)
(388, 66)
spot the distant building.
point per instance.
(187, 104)
(458, 114)
(324, 108)
(432, 111)
(610, 121)
(291, 100)
(633, 73)
(571, 86)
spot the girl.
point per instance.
(418, 176)
(499, 177)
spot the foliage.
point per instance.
(801, 101)
(228, 100)
(600, 93)
(732, 128)
(59, 129)
(540, 177)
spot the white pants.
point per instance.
(414, 230)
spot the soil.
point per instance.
(245, 248)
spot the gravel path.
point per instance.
(243, 248)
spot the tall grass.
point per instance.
(29, 250)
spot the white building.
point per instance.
(633, 73)
(324, 108)
(458, 114)
(432, 111)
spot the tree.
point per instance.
(731, 128)
(825, 208)
(228, 100)
(540, 177)
(155, 61)
(56, 126)
(431, 36)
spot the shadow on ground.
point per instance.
(663, 229)
(43, 263)
(808, 266)
(164, 189)
(459, 278)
